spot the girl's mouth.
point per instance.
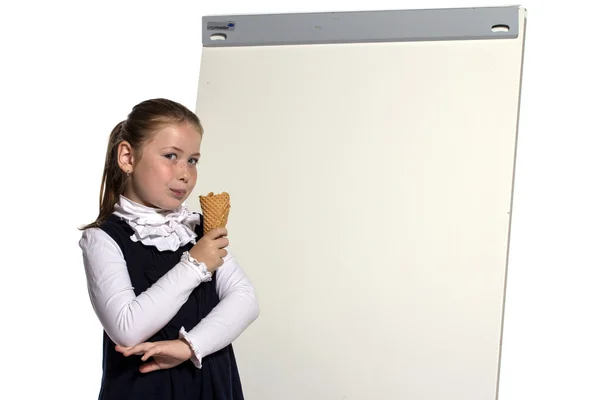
(178, 193)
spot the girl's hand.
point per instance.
(166, 354)
(210, 249)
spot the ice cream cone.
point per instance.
(215, 210)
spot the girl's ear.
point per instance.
(125, 157)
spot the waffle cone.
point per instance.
(215, 210)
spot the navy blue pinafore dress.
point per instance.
(218, 379)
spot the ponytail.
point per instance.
(113, 178)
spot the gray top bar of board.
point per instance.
(360, 26)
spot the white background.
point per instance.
(72, 70)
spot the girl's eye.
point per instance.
(171, 156)
(193, 161)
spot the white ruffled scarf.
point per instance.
(164, 229)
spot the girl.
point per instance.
(161, 289)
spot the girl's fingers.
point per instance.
(216, 233)
(150, 352)
(222, 242)
(149, 367)
(138, 349)
(121, 349)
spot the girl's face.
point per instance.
(165, 173)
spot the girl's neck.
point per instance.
(138, 204)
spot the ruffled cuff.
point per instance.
(200, 267)
(196, 357)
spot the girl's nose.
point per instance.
(183, 173)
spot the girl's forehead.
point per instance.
(179, 135)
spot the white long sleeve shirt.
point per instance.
(129, 319)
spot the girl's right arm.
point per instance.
(129, 319)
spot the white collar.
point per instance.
(164, 229)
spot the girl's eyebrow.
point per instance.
(179, 150)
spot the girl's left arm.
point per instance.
(237, 309)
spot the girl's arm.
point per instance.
(237, 309)
(127, 319)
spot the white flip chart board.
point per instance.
(370, 161)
